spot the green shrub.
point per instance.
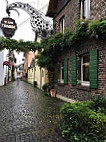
(99, 103)
(45, 87)
(79, 123)
(46, 94)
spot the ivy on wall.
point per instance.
(56, 44)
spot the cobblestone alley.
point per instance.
(26, 115)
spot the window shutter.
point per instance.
(55, 76)
(94, 69)
(65, 71)
(74, 70)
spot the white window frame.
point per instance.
(61, 73)
(62, 25)
(83, 83)
(85, 11)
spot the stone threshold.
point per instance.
(65, 98)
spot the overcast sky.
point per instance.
(24, 30)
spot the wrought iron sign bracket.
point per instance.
(38, 21)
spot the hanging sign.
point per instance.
(8, 26)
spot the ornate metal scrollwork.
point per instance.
(38, 21)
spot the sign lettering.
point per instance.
(8, 27)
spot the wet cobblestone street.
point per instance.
(26, 115)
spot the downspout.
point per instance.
(40, 79)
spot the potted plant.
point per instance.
(53, 92)
(51, 83)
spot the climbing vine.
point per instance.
(20, 45)
(51, 48)
(56, 44)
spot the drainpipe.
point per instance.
(40, 79)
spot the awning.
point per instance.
(9, 64)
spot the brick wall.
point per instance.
(72, 12)
(98, 9)
(80, 92)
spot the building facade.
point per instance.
(81, 71)
(4, 70)
(6, 65)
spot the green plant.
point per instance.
(79, 123)
(45, 87)
(98, 28)
(46, 94)
(99, 103)
(55, 45)
(19, 45)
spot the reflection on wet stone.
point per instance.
(26, 115)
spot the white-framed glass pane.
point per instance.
(85, 69)
(85, 9)
(62, 72)
(62, 23)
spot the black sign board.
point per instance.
(8, 26)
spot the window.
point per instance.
(62, 24)
(62, 72)
(85, 70)
(85, 9)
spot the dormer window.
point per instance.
(62, 24)
(85, 9)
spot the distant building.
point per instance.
(19, 64)
(6, 66)
(28, 72)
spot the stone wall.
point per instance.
(81, 92)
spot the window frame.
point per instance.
(62, 25)
(84, 83)
(85, 9)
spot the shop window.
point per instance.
(62, 24)
(85, 9)
(85, 62)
